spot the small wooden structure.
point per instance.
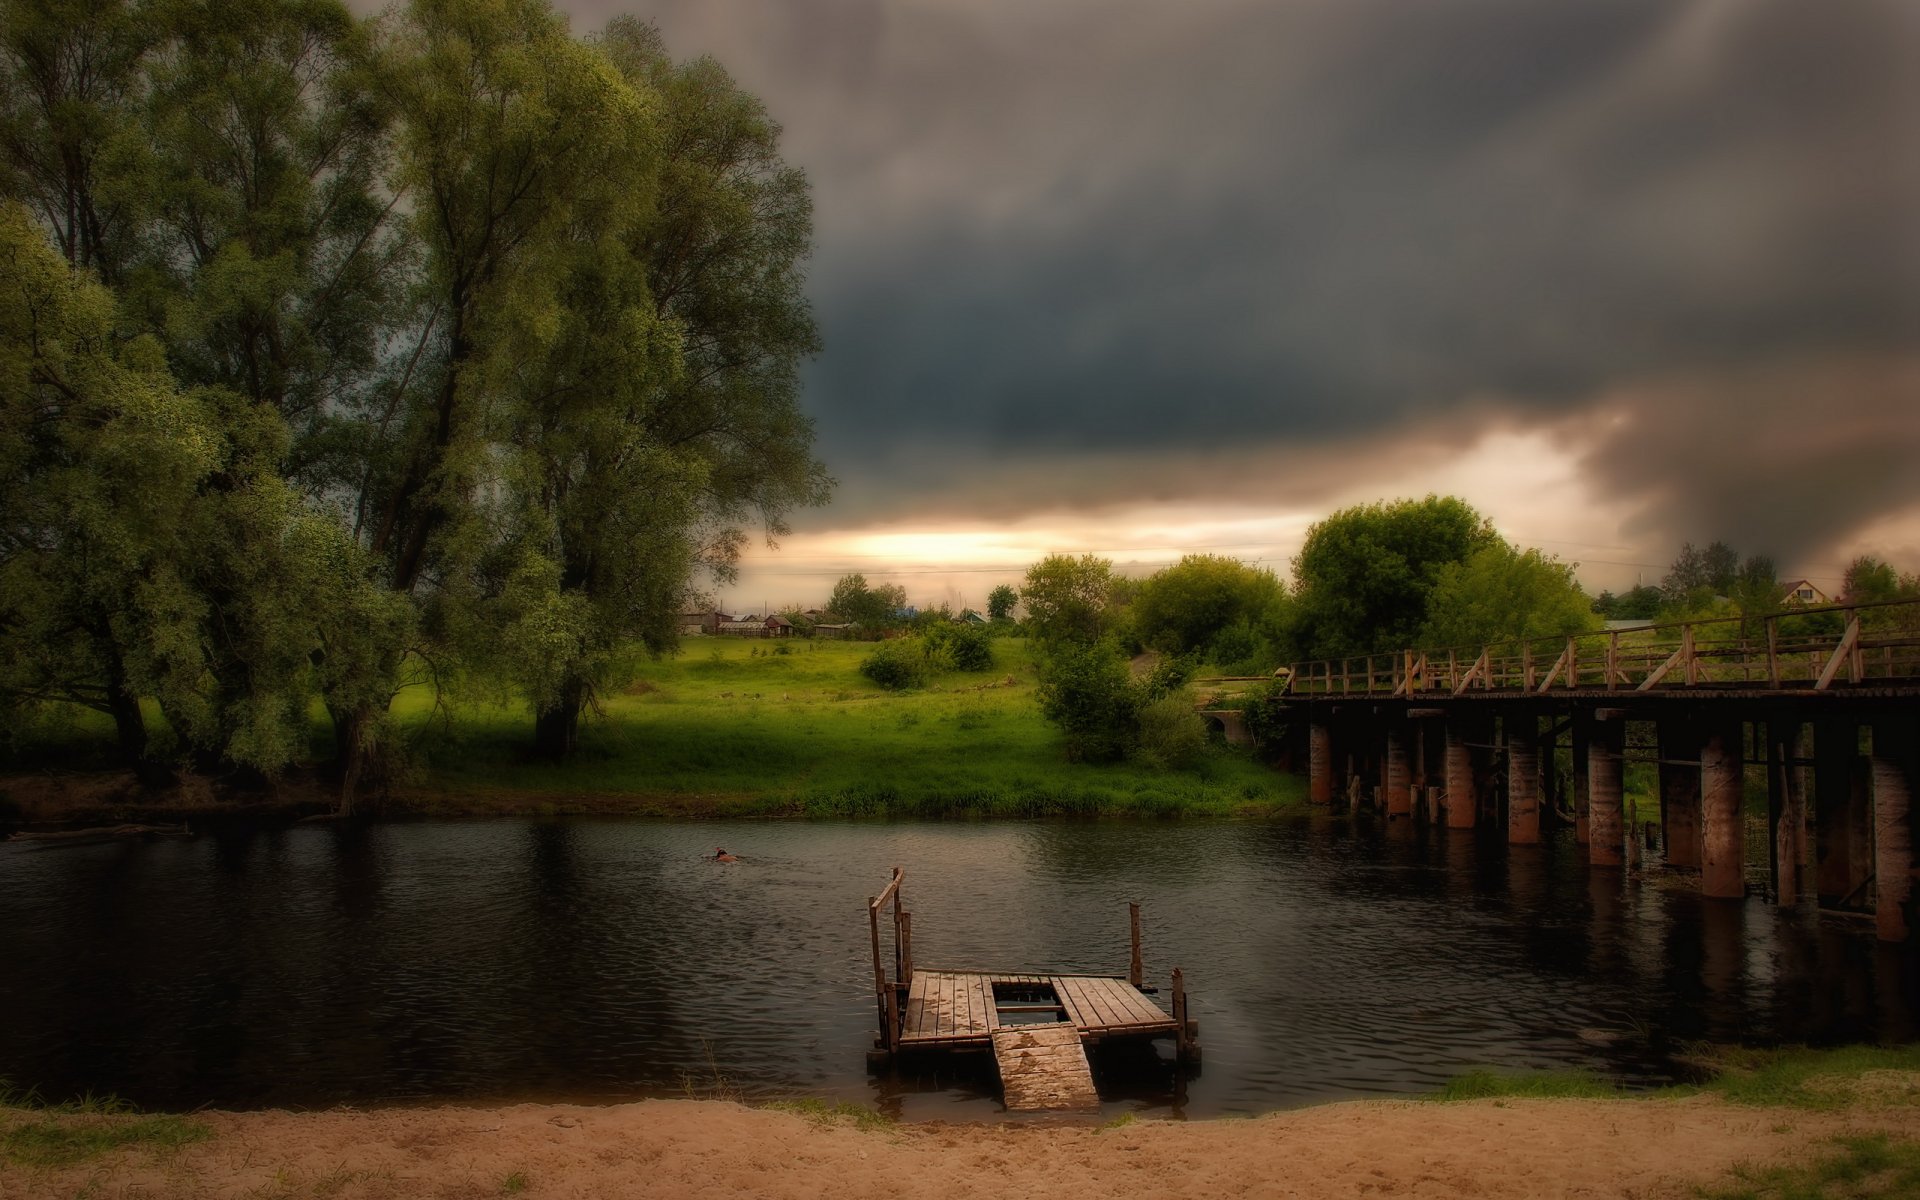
(1037, 1025)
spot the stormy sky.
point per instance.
(1136, 276)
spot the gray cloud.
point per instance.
(1058, 237)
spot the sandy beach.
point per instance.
(680, 1148)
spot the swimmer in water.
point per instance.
(720, 855)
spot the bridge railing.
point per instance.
(1794, 649)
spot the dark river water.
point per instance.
(605, 959)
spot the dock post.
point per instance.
(1522, 736)
(881, 992)
(1463, 804)
(1606, 746)
(1399, 799)
(1185, 1042)
(1723, 844)
(1680, 792)
(1319, 762)
(1134, 970)
(1893, 775)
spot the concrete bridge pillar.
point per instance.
(1463, 798)
(1841, 829)
(1893, 780)
(1319, 761)
(1399, 786)
(1523, 779)
(1723, 843)
(1605, 749)
(1680, 792)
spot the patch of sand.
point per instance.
(676, 1148)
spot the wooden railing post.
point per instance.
(1613, 660)
(1773, 652)
(906, 952)
(881, 992)
(1182, 1044)
(1135, 972)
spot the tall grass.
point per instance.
(36, 1134)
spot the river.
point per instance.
(600, 959)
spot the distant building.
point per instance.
(844, 630)
(753, 625)
(695, 623)
(1802, 591)
(969, 617)
(1626, 623)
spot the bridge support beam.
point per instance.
(1522, 736)
(1582, 739)
(1723, 843)
(1399, 785)
(1319, 761)
(1840, 814)
(1893, 780)
(1787, 810)
(1463, 798)
(1680, 792)
(1605, 749)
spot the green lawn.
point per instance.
(731, 725)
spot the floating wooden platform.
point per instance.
(1044, 1067)
(953, 1008)
(1037, 1024)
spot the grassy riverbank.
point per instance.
(732, 727)
(1828, 1124)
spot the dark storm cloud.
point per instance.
(1060, 240)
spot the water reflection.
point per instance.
(609, 959)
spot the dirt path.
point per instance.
(1531, 1148)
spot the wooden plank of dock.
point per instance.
(1043, 1067)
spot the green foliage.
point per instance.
(871, 608)
(1171, 733)
(1799, 1077)
(1085, 691)
(965, 647)
(1067, 597)
(1000, 602)
(33, 1134)
(823, 1112)
(1641, 603)
(1364, 574)
(1865, 1167)
(497, 332)
(897, 664)
(1204, 604)
(1503, 592)
(1489, 1085)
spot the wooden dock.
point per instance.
(1037, 1024)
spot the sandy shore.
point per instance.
(1512, 1148)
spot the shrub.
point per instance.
(962, 647)
(1086, 692)
(1171, 733)
(897, 665)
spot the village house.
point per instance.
(1802, 591)
(692, 624)
(754, 625)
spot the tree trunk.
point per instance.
(556, 726)
(350, 752)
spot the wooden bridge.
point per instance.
(1823, 701)
(1036, 1025)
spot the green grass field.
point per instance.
(731, 726)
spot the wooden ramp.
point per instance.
(1043, 1067)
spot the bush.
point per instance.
(962, 647)
(1086, 692)
(1171, 733)
(897, 665)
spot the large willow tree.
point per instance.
(496, 331)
